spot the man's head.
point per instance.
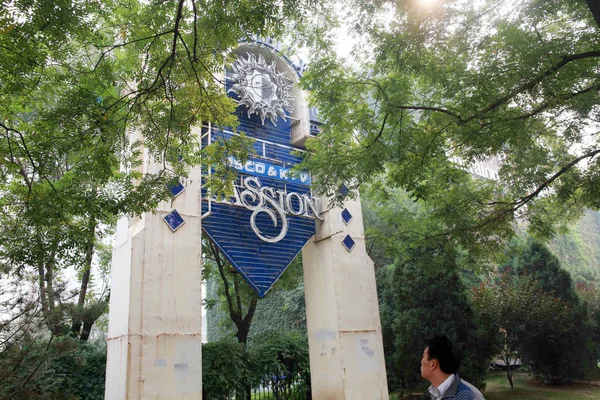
(439, 359)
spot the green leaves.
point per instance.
(277, 360)
(534, 314)
(60, 368)
(90, 93)
(447, 88)
(422, 295)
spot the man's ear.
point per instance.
(434, 363)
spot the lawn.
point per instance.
(526, 389)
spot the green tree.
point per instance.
(393, 224)
(396, 228)
(561, 351)
(590, 295)
(284, 309)
(429, 298)
(278, 361)
(577, 250)
(236, 307)
(442, 88)
(537, 262)
(60, 368)
(240, 299)
(386, 294)
(514, 313)
(225, 369)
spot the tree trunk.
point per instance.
(85, 278)
(42, 287)
(243, 326)
(45, 284)
(236, 312)
(85, 332)
(242, 333)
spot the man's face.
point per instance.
(426, 364)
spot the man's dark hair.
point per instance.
(441, 349)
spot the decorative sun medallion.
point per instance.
(261, 88)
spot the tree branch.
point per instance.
(251, 310)
(533, 82)
(564, 60)
(111, 48)
(426, 108)
(565, 97)
(379, 134)
(236, 289)
(524, 200)
(195, 30)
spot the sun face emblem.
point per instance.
(261, 88)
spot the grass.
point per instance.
(526, 389)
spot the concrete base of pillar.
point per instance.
(155, 322)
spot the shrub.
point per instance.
(277, 362)
(64, 368)
(562, 349)
(225, 369)
(281, 361)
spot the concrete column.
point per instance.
(155, 321)
(342, 312)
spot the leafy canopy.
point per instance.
(438, 88)
(83, 86)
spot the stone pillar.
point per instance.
(342, 311)
(155, 320)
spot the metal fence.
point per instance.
(283, 388)
(270, 388)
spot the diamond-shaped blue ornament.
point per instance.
(175, 187)
(344, 190)
(174, 220)
(314, 130)
(348, 243)
(346, 216)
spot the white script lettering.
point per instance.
(277, 204)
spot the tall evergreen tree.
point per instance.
(429, 298)
(538, 263)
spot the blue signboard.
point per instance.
(271, 215)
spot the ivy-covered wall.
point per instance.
(279, 310)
